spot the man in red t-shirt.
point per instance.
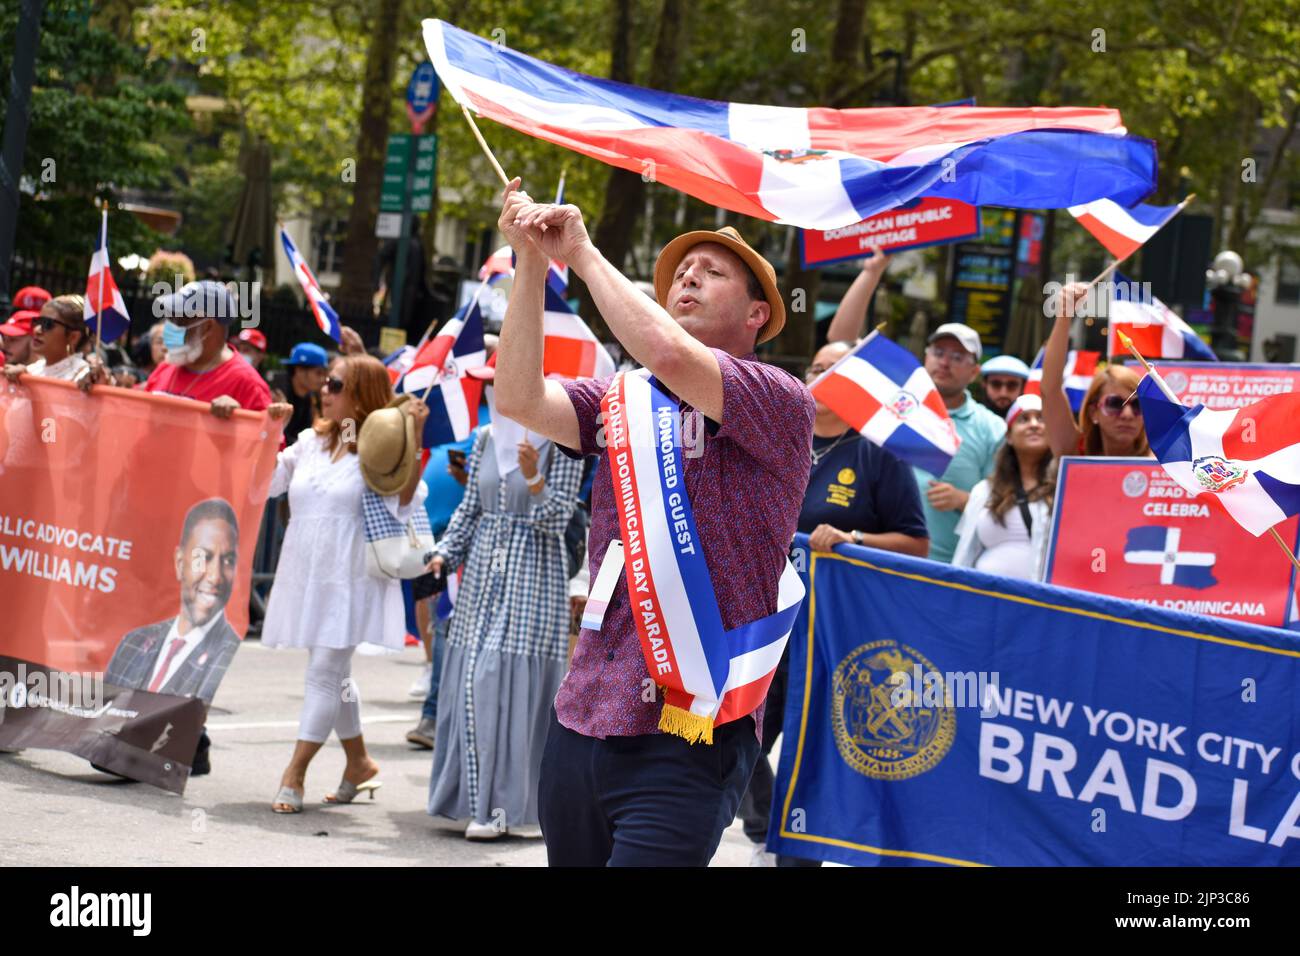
(199, 363)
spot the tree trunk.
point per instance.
(357, 280)
(625, 189)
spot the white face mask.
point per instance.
(183, 347)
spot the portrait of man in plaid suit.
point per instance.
(188, 655)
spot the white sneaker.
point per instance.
(420, 689)
(531, 832)
(483, 831)
(760, 856)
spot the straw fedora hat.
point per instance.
(387, 446)
(673, 253)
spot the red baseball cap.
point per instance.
(253, 338)
(20, 323)
(31, 298)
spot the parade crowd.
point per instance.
(533, 720)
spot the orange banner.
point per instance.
(125, 516)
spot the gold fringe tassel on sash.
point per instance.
(692, 727)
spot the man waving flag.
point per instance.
(326, 317)
(105, 309)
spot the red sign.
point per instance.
(1226, 384)
(1158, 546)
(927, 222)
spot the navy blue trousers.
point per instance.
(651, 800)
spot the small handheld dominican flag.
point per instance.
(882, 391)
(1080, 366)
(570, 348)
(1243, 461)
(1123, 231)
(326, 317)
(1156, 330)
(105, 310)
(440, 366)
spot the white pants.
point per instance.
(331, 701)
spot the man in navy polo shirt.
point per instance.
(857, 493)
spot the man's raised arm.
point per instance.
(522, 393)
(684, 365)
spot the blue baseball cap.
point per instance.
(309, 355)
(1005, 365)
(207, 299)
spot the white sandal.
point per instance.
(289, 797)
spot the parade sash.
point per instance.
(709, 676)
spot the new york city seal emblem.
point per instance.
(882, 734)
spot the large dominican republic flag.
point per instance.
(1157, 331)
(883, 392)
(440, 365)
(1122, 231)
(814, 168)
(1079, 369)
(104, 310)
(1244, 461)
(326, 317)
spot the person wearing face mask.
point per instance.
(199, 363)
(59, 334)
(1008, 519)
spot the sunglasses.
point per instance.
(45, 323)
(1114, 405)
(956, 358)
(333, 385)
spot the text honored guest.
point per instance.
(1007, 522)
(952, 361)
(59, 336)
(187, 655)
(199, 363)
(323, 599)
(615, 790)
(508, 646)
(1004, 378)
(857, 493)
(1110, 419)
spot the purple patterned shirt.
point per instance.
(746, 490)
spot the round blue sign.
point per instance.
(422, 90)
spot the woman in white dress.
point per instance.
(323, 599)
(59, 336)
(1007, 521)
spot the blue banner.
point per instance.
(939, 715)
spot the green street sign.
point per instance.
(398, 162)
(424, 174)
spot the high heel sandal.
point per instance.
(348, 791)
(288, 797)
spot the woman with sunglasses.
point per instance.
(1008, 519)
(323, 600)
(1110, 419)
(59, 336)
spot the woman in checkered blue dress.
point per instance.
(507, 649)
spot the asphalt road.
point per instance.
(57, 811)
